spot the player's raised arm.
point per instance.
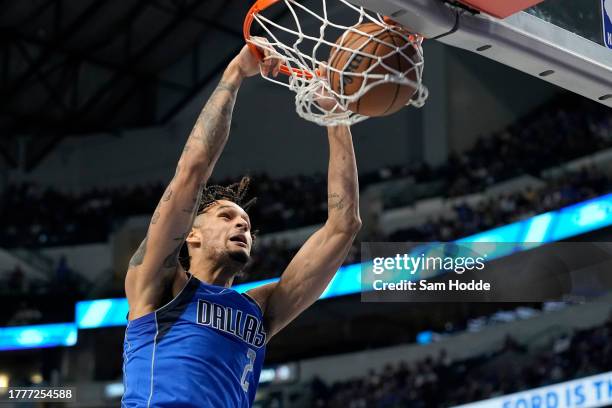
(312, 268)
(154, 264)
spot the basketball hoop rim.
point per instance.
(261, 5)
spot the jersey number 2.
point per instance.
(248, 368)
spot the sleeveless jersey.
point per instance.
(203, 349)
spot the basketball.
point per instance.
(384, 98)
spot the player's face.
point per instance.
(227, 227)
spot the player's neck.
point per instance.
(214, 272)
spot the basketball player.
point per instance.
(192, 341)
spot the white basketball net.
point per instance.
(306, 52)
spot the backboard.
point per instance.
(565, 42)
(583, 17)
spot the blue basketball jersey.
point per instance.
(203, 349)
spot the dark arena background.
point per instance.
(97, 99)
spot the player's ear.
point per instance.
(194, 237)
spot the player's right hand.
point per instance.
(323, 97)
(251, 65)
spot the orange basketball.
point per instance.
(384, 98)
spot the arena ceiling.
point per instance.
(72, 67)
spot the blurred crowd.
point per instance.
(35, 216)
(29, 299)
(440, 382)
(570, 188)
(545, 138)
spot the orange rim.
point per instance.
(259, 6)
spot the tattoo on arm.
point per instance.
(335, 201)
(172, 260)
(168, 195)
(195, 203)
(224, 86)
(212, 126)
(139, 254)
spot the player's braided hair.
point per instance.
(234, 192)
